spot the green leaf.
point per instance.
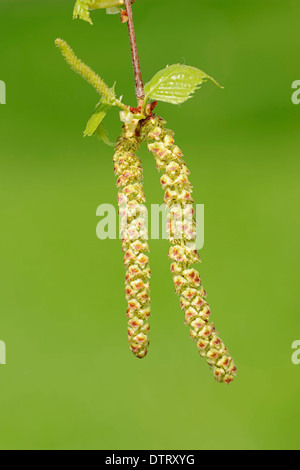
(176, 84)
(82, 8)
(81, 11)
(97, 4)
(113, 10)
(102, 135)
(96, 119)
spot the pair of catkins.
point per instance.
(175, 84)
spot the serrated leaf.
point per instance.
(96, 118)
(176, 84)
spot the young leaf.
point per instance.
(102, 135)
(81, 11)
(97, 4)
(96, 118)
(82, 7)
(113, 10)
(176, 84)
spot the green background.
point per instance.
(70, 381)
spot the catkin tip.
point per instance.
(59, 42)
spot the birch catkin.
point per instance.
(131, 197)
(174, 84)
(183, 252)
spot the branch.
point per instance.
(139, 86)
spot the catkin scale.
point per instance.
(183, 251)
(127, 167)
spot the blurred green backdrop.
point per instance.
(70, 381)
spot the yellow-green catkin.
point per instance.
(133, 226)
(183, 252)
(107, 94)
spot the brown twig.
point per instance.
(139, 86)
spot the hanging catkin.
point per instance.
(183, 252)
(174, 84)
(131, 197)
